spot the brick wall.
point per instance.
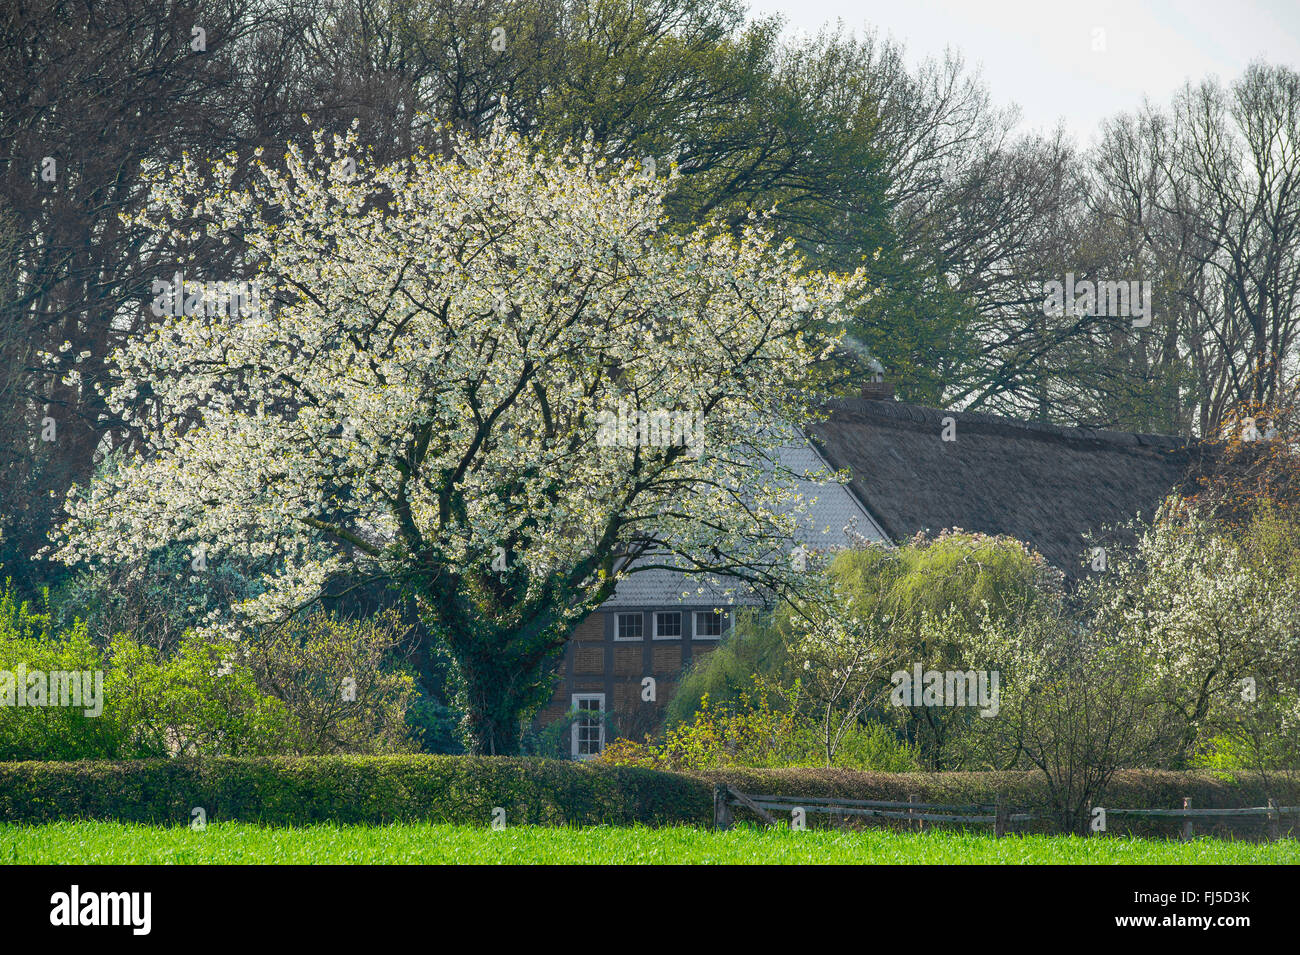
(596, 662)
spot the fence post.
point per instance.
(1187, 822)
(1274, 821)
(999, 817)
(721, 808)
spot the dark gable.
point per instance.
(1043, 484)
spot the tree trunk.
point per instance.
(505, 664)
(492, 707)
(499, 684)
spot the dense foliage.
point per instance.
(467, 790)
(754, 733)
(201, 698)
(1178, 650)
(351, 789)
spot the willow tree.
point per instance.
(446, 382)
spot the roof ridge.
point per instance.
(984, 422)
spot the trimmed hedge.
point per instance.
(465, 789)
(1130, 789)
(351, 789)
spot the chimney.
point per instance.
(876, 388)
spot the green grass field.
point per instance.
(104, 842)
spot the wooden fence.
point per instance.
(921, 814)
(1273, 813)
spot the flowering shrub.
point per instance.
(752, 734)
(1220, 629)
(757, 735)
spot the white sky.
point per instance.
(1039, 54)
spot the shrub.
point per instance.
(726, 676)
(28, 643)
(1078, 706)
(1219, 622)
(875, 746)
(374, 790)
(368, 790)
(200, 701)
(754, 734)
(320, 685)
(332, 677)
(751, 734)
(193, 702)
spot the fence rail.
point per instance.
(877, 803)
(1192, 813)
(726, 798)
(1272, 812)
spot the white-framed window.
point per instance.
(588, 730)
(668, 625)
(629, 626)
(710, 624)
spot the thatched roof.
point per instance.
(1043, 484)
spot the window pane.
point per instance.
(588, 733)
(668, 625)
(708, 624)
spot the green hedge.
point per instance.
(465, 789)
(1130, 789)
(351, 789)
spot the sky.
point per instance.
(1074, 63)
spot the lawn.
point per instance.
(116, 843)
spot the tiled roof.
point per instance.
(833, 515)
(1045, 485)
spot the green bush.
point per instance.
(373, 790)
(27, 644)
(351, 789)
(317, 686)
(872, 746)
(1128, 789)
(335, 679)
(752, 732)
(196, 701)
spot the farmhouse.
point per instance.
(911, 469)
